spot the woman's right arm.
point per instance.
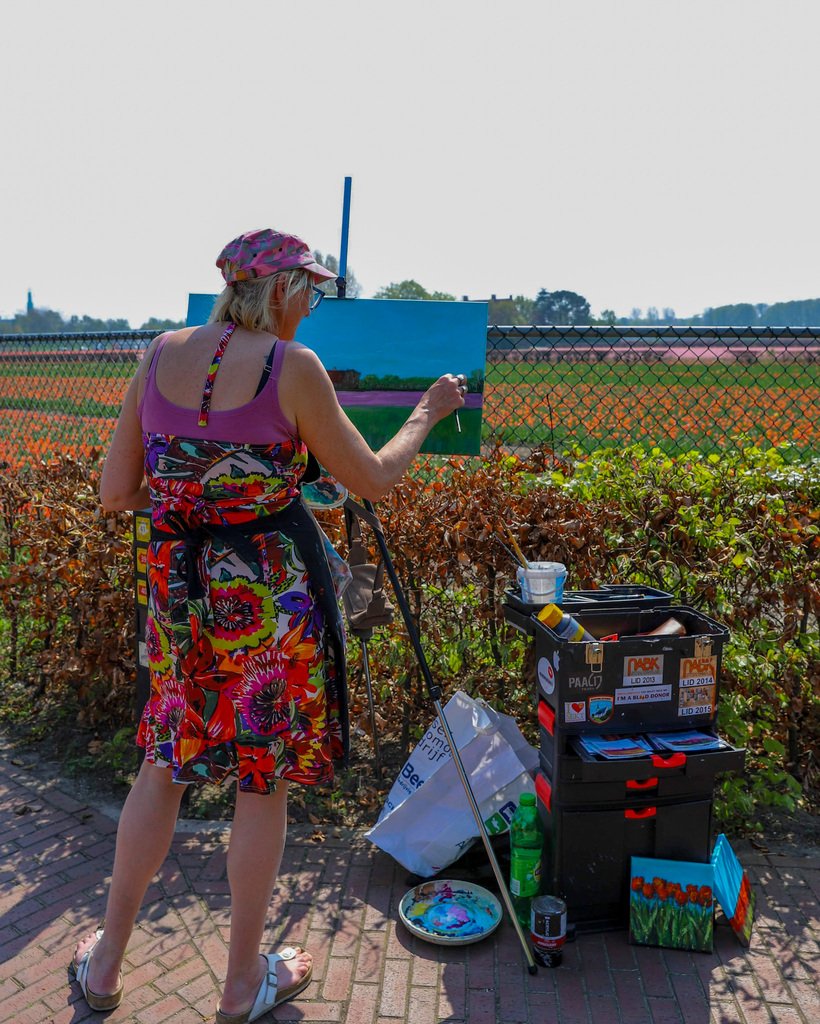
(122, 483)
(337, 444)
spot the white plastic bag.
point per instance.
(427, 822)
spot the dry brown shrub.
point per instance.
(66, 593)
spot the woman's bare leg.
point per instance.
(254, 855)
(144, 835)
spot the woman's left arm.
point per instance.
(122, 484)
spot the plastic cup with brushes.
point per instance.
(539, 582)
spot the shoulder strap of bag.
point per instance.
(356, 511)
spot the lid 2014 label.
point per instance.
(643, 670)
(698, 671)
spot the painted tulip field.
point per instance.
(50, 405)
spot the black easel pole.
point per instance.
(434, 690)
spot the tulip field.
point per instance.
(50, 405)
(676, 407)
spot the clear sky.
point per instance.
(641, 152)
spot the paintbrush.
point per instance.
(517, 550)
(462, 387)
(509, 550)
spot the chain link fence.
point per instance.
(569, 388)
(61, 393)
(677, 388)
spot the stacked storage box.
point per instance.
(598, 813)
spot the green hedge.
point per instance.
(736, 535)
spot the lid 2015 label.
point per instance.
(696, 700)
(643, 670)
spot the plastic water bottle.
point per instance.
(563, 624)
(526, 846)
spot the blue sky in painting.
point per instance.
(408, 338)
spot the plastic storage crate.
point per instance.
(597, 814)
(519, 613)
(635, 683)
(588, 850)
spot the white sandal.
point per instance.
(79, 968)
(269, 994)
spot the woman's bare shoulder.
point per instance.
(183, 334)
(302, 360)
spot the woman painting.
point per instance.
(243, 635)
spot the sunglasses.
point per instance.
(318, 295)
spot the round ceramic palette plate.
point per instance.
(450, 913)
(324, 493)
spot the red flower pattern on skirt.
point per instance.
(247, 693)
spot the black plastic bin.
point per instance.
(519, 613)
(635, 683)
(598, 813)
(588, 850)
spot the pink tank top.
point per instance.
(260, 421)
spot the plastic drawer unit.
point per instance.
(577, 778)
(588, 850)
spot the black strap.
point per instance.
(266, 372)
(296, 523)
(354, 510)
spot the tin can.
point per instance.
(548, 929)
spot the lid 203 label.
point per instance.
(643, 670)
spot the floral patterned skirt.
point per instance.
(241, 689)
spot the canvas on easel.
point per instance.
(382, 354)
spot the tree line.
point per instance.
(560, 307)
(567, 308)
(49, 321)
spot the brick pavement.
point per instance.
(339, 897)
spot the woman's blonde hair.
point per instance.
(252, 305)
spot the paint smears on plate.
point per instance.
(324, 493)
(451, 913)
